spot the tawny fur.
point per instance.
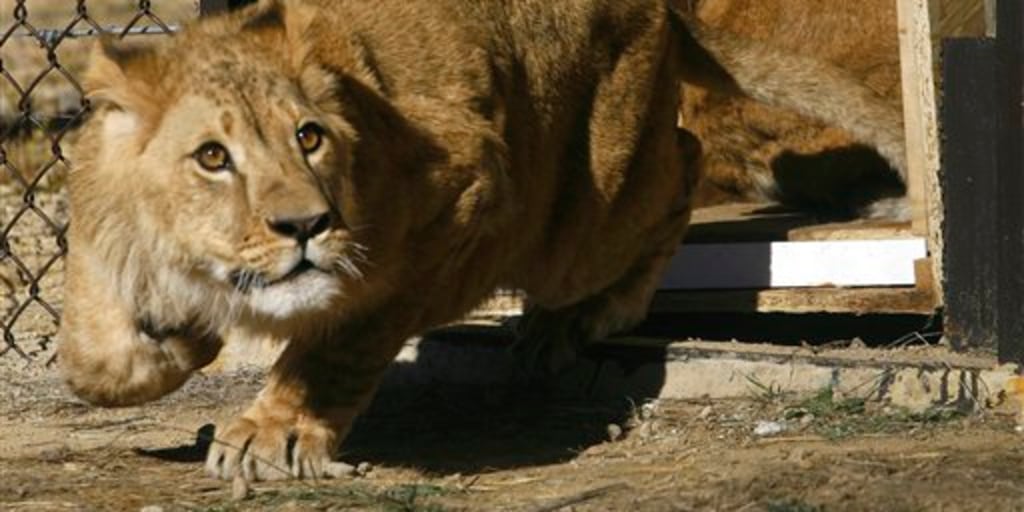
(466, 145)
(760, 153)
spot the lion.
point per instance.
(345, 174)
(759, 153)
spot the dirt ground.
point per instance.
(451, 448)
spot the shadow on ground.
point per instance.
(446, 427)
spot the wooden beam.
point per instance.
(860, 301)
(921, 124)
(765, 222)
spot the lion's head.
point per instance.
(212, 181)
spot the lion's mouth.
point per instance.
(301, 268)
(246, 281)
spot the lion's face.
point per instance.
(256, 169)
(236, 161)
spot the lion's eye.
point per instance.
(310, 137)
(213, 157)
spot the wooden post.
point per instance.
(1010, 122)
(921, 126)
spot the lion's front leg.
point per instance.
(295, 425)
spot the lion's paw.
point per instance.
(270, 449)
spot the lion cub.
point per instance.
(348, 173)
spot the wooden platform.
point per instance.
(755, 222)
(725, 265)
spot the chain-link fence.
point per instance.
(44, 47)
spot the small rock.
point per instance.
(705, 413)
(364, 468)
(339, 470)
(645, 430)
(72, 467)
(806, 419)
(614, 432)
(152, 508)
(648, 410)
(239, 488)
(769, 428)
(1019, 429)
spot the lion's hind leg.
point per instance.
(549, 339)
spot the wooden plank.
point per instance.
(1010, 207)
(766, 222)
(916, 301)
(921, 124)
(867, 229)
(970, 189)
(990, 18)
(744, 222)
(798, 300)
(795, 264)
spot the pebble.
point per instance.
(769, 428)
(614, 432)
(339, 470)
(152, 508)
(648, 410)
(705, 413)
(364, 468)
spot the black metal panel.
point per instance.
(970, 186)
(983, 187)
(1010, 198)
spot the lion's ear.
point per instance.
(280, 17)
(291, 23)
(121, 74)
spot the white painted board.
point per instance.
(761, 265)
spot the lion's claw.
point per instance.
(270, 450)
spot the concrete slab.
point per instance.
(644, 368)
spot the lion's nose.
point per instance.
(301, 229)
